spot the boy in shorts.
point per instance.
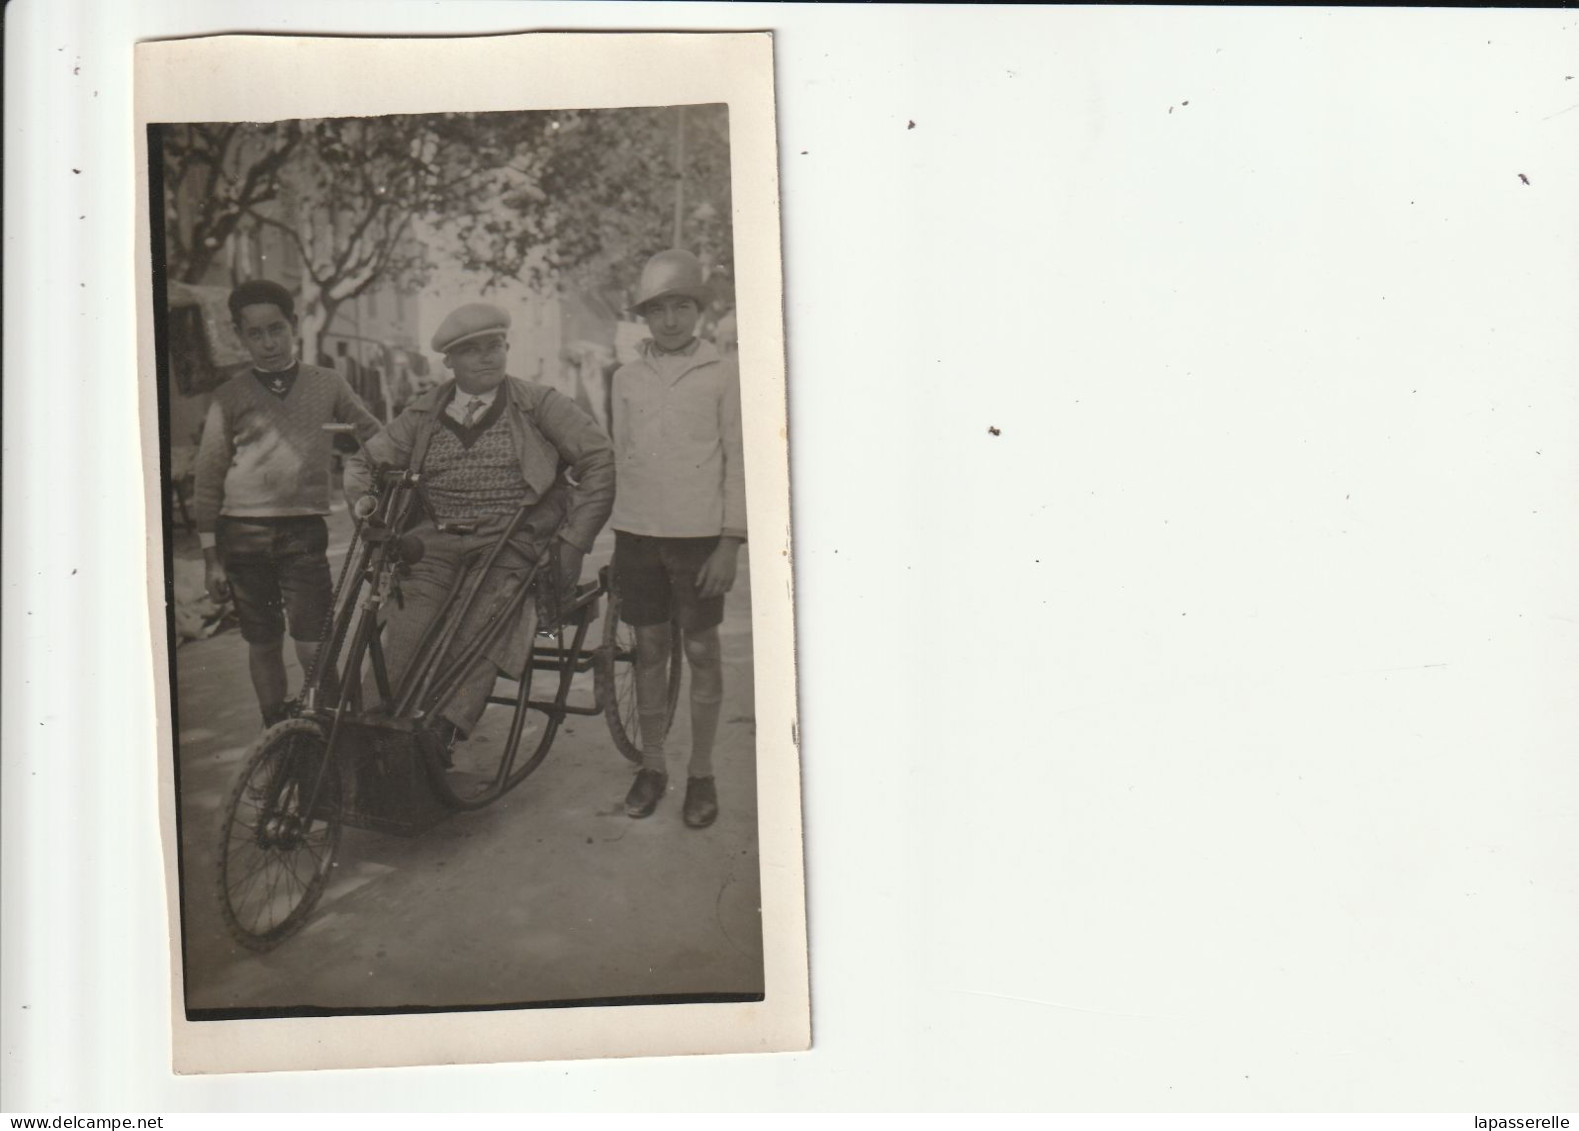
(262, 490)
(679, 519)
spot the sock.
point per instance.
(653, 732)
(704, 728)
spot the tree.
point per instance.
(537, 196)
(592, 195)
(215, 175)
(349, 197)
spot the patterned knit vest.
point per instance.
(472, 480)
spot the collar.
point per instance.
(277, 381)
(654, 350)
(468, 433)
(455, 410)
(487, 398)
(700, 351)
(438, 398)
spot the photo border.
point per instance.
(210, 79)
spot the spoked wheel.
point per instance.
(274, 856)
(616, 679)
(474, 773)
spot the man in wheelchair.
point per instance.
(486, 445)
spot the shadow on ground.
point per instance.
(550, 894)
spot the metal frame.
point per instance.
(431, 679)
(377, 752)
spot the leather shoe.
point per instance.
(645, 793)
(701, 802)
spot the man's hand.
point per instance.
(717, 575)
(569, 571)
(214, 579)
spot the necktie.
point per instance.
(472, 409)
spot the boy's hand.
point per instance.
(717, 575)
(215, 580)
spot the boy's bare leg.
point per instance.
(266, 664)
(705, 655)
(652, 693)
(306, 654)
(328, 682)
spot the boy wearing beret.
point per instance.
(679, 519)
(262, 489)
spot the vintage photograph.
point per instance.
(458, 592)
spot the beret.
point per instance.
(467, 322)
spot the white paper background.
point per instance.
(1203, 741)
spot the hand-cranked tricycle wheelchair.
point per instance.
(372, 760)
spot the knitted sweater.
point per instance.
(474, 472)
(265, 456)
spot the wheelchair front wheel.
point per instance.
(274, 856)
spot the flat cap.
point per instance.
(467, 322)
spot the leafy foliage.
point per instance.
(230, 171)
(602, 192)
(545, 197)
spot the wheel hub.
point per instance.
(280, 830)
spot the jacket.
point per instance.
(551, 434)
(677, 437)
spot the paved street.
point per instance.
(550, 894)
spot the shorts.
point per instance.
(656, 578)
(279, 571)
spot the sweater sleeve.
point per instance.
(734, 456)
(214, 455)
(583, 445)
(349, 409)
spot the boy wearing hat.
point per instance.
(486, 445)
(262, 489)
(679, 519)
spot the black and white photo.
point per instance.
(456, 424)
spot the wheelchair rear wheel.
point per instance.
(274, 856)
(616, 679)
